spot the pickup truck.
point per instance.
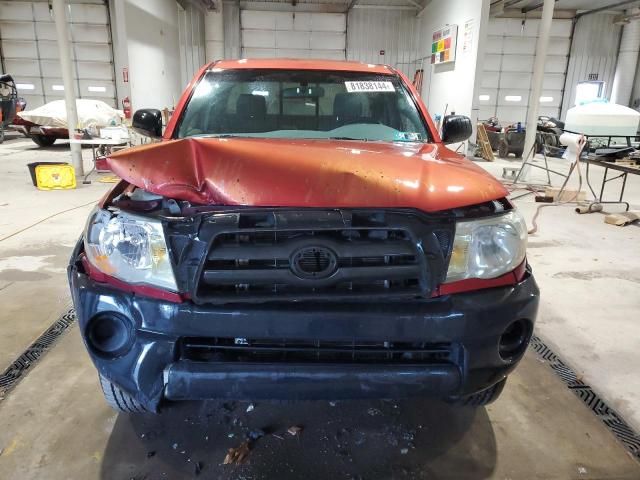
(301, 231)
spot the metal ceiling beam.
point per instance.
(415, 4)
(424, 7)
(607, 7)
(352, 4)
(201, 5)
(533, 7)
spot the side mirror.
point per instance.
(456, 128)
(148, 122)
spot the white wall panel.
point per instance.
(15, 11)
(594, 51)
(555, 64)
(262, 20)
(508, 65)
(17, 31)
(520, 46)
(287, 34)
(492, 62)
(191, 36)
(517, 113)
(490, 80)
(30, 49)
(21, 67)
(396, 33)
(518, 63)
(258, 38)
(328, 40)
(259, 52)
(515, 80)
(494, 43)
(328, 22)
(231, 24)
(19, 49)
(553, 81)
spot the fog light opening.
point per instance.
(514, 340)
(110, 334)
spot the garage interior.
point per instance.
(571, 410)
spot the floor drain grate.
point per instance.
(19, 368)
(625, 434)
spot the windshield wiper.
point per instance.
(349, 138)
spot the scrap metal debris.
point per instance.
(294, 430)
(250, 408)
(255, 434)
(238, 454)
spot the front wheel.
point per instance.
(480, 399)
(119, 400)
(43, 140)
(503, 149)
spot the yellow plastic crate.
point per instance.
(55, 177)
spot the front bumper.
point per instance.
(153, 368)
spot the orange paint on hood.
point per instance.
(307, 173)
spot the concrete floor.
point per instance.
(55, 424)
(588, 272)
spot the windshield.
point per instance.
(302, 104)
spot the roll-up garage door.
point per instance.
(296, 35)
(508, 67)
(30, 51)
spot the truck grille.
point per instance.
(274, 350)
(317, 255)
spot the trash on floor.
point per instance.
(622, 219)
(238, 454)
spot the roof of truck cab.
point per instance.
(300, 64)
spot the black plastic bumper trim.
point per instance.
(246, 381)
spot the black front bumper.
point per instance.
(152, 369)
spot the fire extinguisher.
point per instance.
(126, 106)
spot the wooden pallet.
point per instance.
(484, 144)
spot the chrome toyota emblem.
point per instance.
(314, 262)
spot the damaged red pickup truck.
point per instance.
(302, 232)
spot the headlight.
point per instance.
(130, 248)
(488, 248)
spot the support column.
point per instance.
(64, 49)
(214, 33)
(536, 82)
(627, 62)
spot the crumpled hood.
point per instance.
(306, 173)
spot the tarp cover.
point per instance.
(91, 114)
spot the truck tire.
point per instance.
(480, 399)
(119, 400)
(503, 149)
(43, 140)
